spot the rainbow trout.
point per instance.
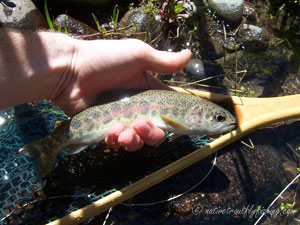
(172, 111)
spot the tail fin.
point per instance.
(45, 151)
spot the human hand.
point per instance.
(105, 65)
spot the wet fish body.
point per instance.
(172, 111)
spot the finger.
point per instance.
(111, 139)
(150, 134)
(167, 62)
(130, 141)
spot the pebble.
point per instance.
(201, 70)
(230, 10)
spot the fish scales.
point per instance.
(172, 111)
(141, 104)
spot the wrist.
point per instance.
(60, 55)
(33, 65)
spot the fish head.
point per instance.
(209, 119)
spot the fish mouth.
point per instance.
(230, 127)
(232, 124)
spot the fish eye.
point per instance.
(220, 116)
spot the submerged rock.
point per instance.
(290, 169)
(263, 69)
(141, 20)
(231, 10)
(200, 70)
(21, 15)
(248, 9)
(253, 37)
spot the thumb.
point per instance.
(167, 62)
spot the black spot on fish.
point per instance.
(144, 111)
(90, 126)
(164, 111)
(107, 117)
(175, 112)
(75, 124)
(128, 114)
(115, 107)
(87, 121)
(127, 107)
(152, 98)
(144, 107)
(96, 114)
(170, 101)
(89, 113)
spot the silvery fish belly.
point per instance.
(172, 111)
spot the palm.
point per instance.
(101, 66)
(110, 66)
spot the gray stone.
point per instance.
(74, 26)
(231, 10)
(21, 15)
(199, 70)
(141, 20)
(253, 37)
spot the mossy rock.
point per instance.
(141, 23)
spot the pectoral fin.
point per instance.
(174, 124)
(75, 149)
